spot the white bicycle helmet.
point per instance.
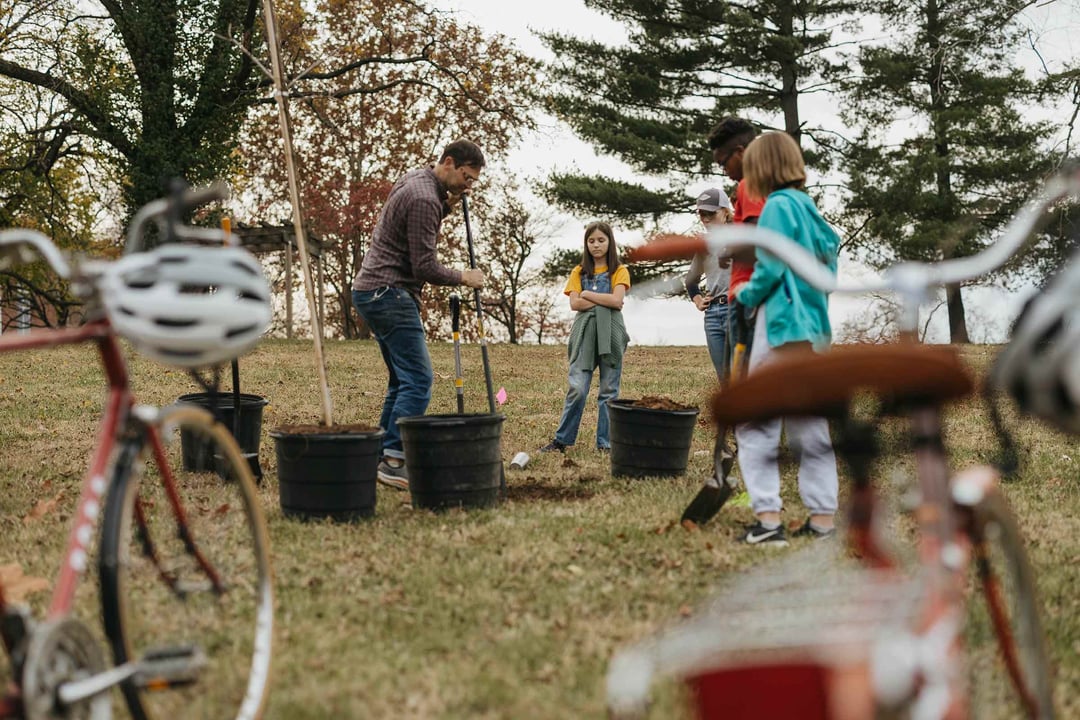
(188, 306)
(1040, 367)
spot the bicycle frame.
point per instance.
(119, 407)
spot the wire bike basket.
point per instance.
(777, 643)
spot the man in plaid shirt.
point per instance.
(386, 291)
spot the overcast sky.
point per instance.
(554, 147)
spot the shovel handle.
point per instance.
(479, 311)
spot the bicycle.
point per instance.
(183, 555)
(870, 639)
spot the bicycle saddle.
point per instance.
(805, 383)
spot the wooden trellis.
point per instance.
(263, 239)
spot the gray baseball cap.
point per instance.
(712, 200)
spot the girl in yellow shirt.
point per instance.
(596, 289)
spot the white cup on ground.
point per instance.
(520, 461)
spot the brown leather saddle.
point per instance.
(805, 383)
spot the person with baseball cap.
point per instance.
(713, 208)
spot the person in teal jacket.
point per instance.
(790, 315)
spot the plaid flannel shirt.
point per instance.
(402, 252)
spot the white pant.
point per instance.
(759, 448)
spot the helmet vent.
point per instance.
(174, 323)
(196, 289)
(240, 331)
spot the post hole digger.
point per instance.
(479, 309)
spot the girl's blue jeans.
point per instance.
(580, 377)
(394, 319)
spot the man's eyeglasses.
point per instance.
(465, 171)
(722, 161)
(706, 214)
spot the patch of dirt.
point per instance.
(325, 429)
(568, 463)
(531, 491)
(657, 402)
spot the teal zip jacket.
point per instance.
(794, 311)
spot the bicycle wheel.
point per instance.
(1009, 615)
(185, 576)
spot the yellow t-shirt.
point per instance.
(621, 277)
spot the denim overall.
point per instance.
(580, 377)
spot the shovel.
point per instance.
(252, 458)
(480, 328)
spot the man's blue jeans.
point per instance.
(394, 319)
(716, 337)
(580, 378)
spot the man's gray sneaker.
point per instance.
(394, 476)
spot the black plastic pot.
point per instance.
(327, 475)
(646, 442)
(453, 460)
(197, 453)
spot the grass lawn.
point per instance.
(511, 612)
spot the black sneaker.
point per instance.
(808, 530)
(758, 534)
(554, 446)
(392, 473)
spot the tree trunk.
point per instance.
(789, 93)
(958, 332)
(943, 173)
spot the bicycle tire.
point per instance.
(158, 598)
(1006, 583)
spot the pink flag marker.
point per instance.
(500, 397)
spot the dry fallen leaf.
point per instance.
(18, 587)
(42, 508)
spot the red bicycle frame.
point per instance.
(117, 406)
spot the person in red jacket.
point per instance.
(728, 141)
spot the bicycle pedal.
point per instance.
(165, 667)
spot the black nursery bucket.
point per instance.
(197, 453)
(648, 442)
(327, 475)
(453, 460)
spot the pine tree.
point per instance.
(652, 101)
(945, 79)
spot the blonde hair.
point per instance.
(773, 161)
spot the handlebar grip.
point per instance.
(175, 206)
(195, 197)
(668, 247)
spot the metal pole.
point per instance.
(479, 310)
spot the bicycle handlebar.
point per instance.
(169, 208)
(22, 246)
